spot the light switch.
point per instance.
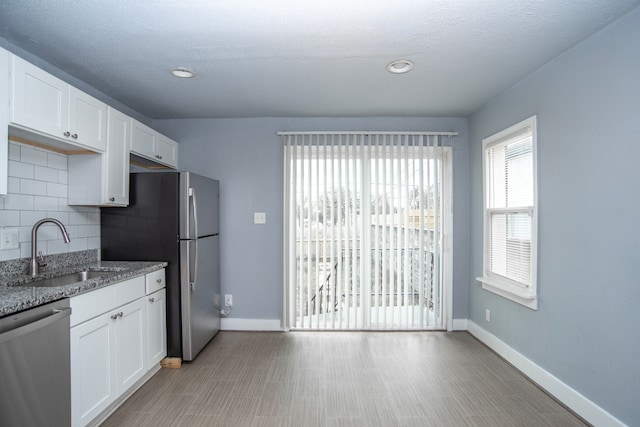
(259, 218)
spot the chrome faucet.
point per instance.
(33, 264)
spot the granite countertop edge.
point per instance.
(16, 295)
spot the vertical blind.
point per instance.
(364, 220)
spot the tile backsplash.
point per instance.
(38, 189)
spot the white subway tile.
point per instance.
(62, 177)
(57, 161)
(14, 151)
(9, 218)
(79, 244)
(42, 173)
(18, 202)
(20, 170)
(24, 234)
(88, 231)
(6, 255)
(56, 190)
(93, 242)
(25, 249)
(13, 185)
(94, 218)
(33, 156)
(45, 203)
(57, 246)
(78, 218)
(30, 186)
(62, 205)
(63, 217)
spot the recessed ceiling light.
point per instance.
(183, 73)
(399, 66)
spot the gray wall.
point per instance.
(586, 331)
(246, 155)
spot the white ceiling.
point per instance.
(260, 58)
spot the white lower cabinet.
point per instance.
(156, 327)
(93, 368)
(116, 333)
(131, 349)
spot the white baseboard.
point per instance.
(459, 325)
(235, 324)
(561, 391)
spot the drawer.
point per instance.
(94, 303)
(155, 281)
(129, 290)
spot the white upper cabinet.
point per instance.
(46, 105)
(116, 180)
(4, 119)
(152, 145)
(87, 119)
(103, 179)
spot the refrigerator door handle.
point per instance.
(194, 209)
(193, 278)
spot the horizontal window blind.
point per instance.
(509, 213)
(364, 234)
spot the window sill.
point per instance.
(512, 293)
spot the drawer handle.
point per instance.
(152, 299)
(114, 316)
(67, 134)
(74, 136)
(158, 280)
(112, 199)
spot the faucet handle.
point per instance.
(41, 262)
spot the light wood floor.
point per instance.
(342, 379)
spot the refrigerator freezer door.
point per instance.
(199, 204)
(200, 298)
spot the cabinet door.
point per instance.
(156, 328)
(116, 165)
(131, 344)
(93, 367)
(167, 151)
(143, 140)
(4, 119)
(39, 101)
(87, 120)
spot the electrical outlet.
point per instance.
(259, 217)
(9, 239)
(487, 315)
(228, 300)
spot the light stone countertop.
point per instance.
(16, 294)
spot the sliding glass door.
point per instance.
(365, 226)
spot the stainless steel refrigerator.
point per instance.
(173, 217)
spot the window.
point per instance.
(510, 213)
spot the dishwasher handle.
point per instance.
(28, 326)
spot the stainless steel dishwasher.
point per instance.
(35, 380)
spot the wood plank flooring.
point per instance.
(370, 379)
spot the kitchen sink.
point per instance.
(67, 279)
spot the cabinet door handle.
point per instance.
(152, 299)
(74, 136)
(67, 134)
(158, 280)
(112, 199)
(120, 314)
(114, 316)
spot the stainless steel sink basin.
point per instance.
(67, 279)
